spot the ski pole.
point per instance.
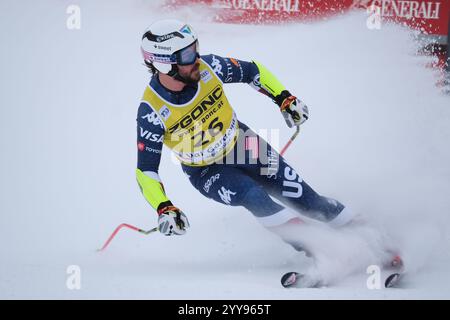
(125, 225)
(297, 131)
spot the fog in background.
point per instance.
(377, 140)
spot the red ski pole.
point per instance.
(125, 225)
(297, 131)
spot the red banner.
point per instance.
(428, 16)
(270, 11)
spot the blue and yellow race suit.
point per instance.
(224, 159)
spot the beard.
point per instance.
(193, 77)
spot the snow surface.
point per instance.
(377, 140)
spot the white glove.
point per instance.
(172, 221)
(294, 111)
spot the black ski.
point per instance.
(297, 280)
(289, 279)
(393, 280)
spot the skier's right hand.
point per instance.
(172, 221)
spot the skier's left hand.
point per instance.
(294, 111)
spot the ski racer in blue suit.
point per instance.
(185, 108)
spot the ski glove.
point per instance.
(172, 221)
(294, 111)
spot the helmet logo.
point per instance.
(165, 37)
(186, 29)
(151, 37)
(162, 47)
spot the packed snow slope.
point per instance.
(377, 140)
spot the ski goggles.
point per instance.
(182, 57)
(187, 55)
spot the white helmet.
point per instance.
(167, 43)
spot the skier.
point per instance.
(185, 108)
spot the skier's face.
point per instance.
(190, 72)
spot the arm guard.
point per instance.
(268, 82)
(152, 188)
